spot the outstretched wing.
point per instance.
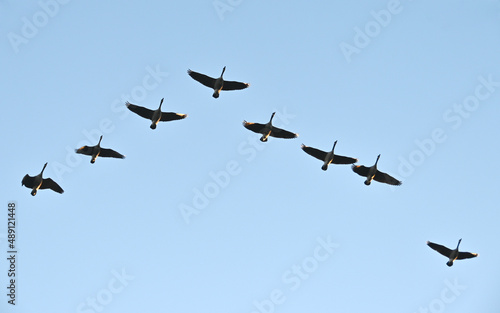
(28, 181)
(85, 150)
(386, 178)
(439, 248)
(108, 153)
(318, 154)
(281, 133)
(170, 116)
(48, 183)
(339, 159)
(466, 255)
(141, 111)
(203, 79)
(255, 127)
(360, 170)
(230, 85)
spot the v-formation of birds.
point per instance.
(266, 130)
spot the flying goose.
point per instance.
(156, 115)
(217, 84)
(372, 173)
(37, 182)
(96, 151)
(328, 157)
(451, 254)
(269, 130)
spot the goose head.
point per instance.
(161, 102)
(99, 143)
(460, 240)
(223, 69)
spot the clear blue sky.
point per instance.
(266, 230)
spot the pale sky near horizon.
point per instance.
(203, 217)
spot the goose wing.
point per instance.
(48, 183)
(386, 178)
(339, 159)
(439, 248)
(231, 85)
(141, 111)
(255, 127)
(466, 255)
(171, 116)
(360, 170)
(318, 154)
(28, 181)
(108, 153)
(281, 133)
(203, 79)
(85, 150)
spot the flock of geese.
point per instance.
(266, 130)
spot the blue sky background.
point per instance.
(407, 80)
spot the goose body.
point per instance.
(269, 130)
(328, 157)
(217, 84)
(95, 151)
(38, 182)
(452, 255)
(372, 173)
(155, 115)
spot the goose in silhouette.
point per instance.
(156, 115)
(217, 84)
(95, 151)
(328, 157)
(371, 173)
(452, 255)
(269, 130)
(37, 182)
